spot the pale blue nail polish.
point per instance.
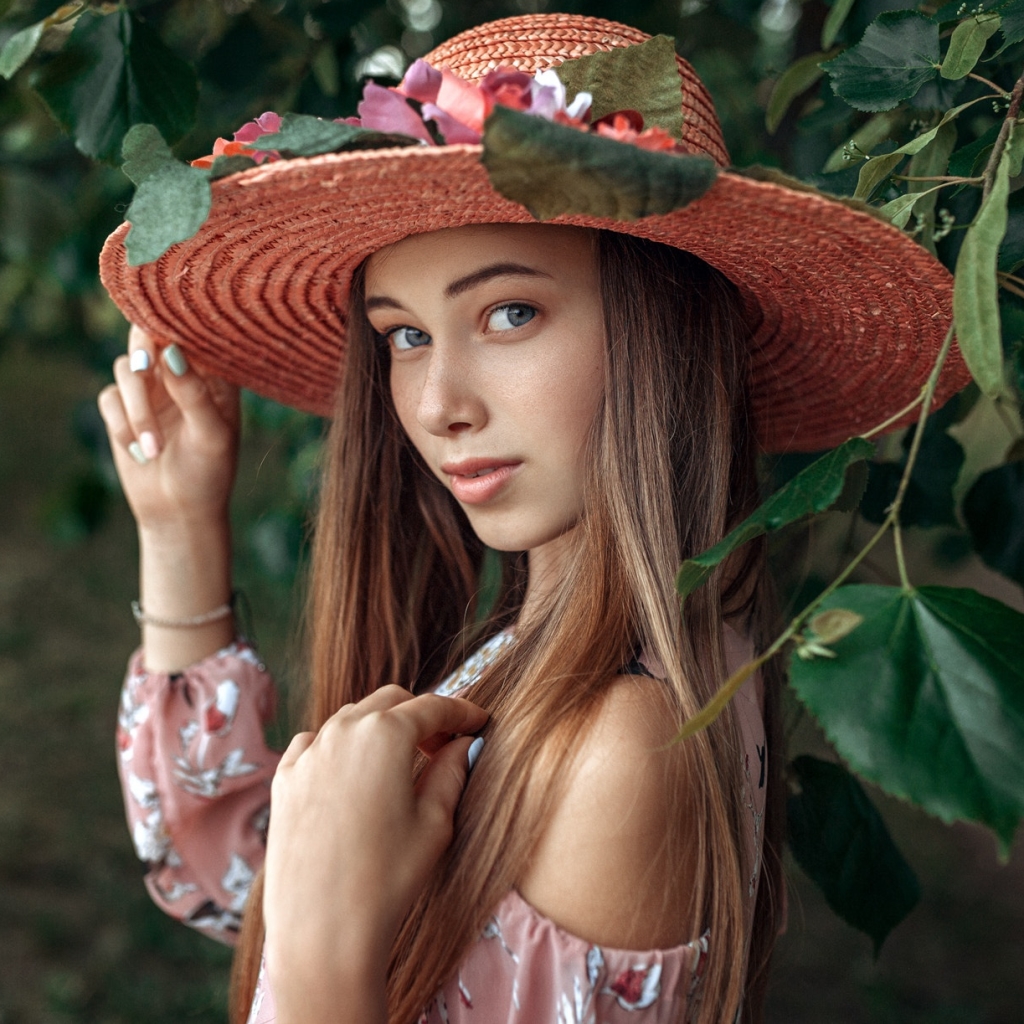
(136, 452)
(175, 360)
(139, 361)
(474, 752)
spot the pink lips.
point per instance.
(475, 481)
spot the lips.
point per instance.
(475, 481)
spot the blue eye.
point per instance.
(505, 318)
(405, 338)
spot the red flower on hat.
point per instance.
(266, 124)
(628, 126)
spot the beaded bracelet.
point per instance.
(143, 618)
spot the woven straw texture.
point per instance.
(847, 313)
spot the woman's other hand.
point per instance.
(352, 842)
(174, 436)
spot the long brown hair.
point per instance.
(395, 585)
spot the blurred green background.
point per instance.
(79, 940)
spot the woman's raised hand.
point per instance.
(174, 436)
(352, 842)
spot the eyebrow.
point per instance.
(464, 284)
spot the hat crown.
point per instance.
(535, 42)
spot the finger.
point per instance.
(122, 437)
(430, 714)
(444, 779)
(300, 743)
(138, 406)
(193, 395)
(141, 350)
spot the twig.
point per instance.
(895, 417)
(939, 177)
(1005, 282)
(1001, 139)
(998, 89)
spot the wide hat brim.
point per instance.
(847, 313)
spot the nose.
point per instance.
(449, 400)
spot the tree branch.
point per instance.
(1001, 139)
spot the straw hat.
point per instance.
(847, 313)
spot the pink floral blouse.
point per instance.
(196, 772)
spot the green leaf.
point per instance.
(115, 72)
(23, 44)
(930, 161)
(797, 78)
(144, 151)
(222, 166)
(812, 490)
(1013, 22)
(644, 77)
(969, 161)
(169, 206)
(994, 514)
(874, 171)
(840, 840)
(926, 699)
(897, 55)
(834, 21)
(975, 288)
(553, 169)
(967, 44)
(899, 209)
(19, 48)
(304, 135)
(876, 129)
(171, 199)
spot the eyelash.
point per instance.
(387, 337)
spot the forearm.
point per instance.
(184, 572)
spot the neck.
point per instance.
(547, 567)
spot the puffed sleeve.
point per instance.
(195, 772)
(525, 968)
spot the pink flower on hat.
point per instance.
(268, 123)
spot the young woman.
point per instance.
(587, 398)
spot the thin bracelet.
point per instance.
(143, 618)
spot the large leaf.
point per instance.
(797, 78)
(839, 838)
(115, 72)
(994, 513)
(172, 199)
(926, 698)
(975, 287)
(643, 77)
(897, 55)
(967, 44)
(553, 169)
(303, 135)
(812, 490)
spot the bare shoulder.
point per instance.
(603, 869)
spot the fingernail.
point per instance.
(175, 360)
(474, 752)
(139, 361)
(136, 452)
(147, 441)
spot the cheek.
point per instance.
(405, 399)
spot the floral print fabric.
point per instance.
(196, 773)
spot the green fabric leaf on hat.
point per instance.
(304, 135)
(897, 55)
(838, 837)
(812, 490)
(967, 44)
(925, 698)
(643, 77)
(975, 285)
(172, 199)
(553, 169)
(115, 72)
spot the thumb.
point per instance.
(444, 779)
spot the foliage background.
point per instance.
(78, 938)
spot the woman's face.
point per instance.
(496, 337)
